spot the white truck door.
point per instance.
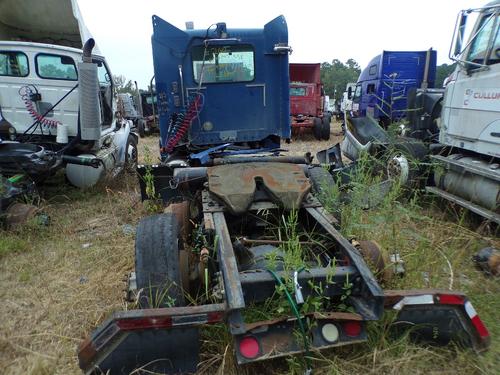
(471, 116)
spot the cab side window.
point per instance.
(56, 67)
(13, 64)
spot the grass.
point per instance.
(54, 290)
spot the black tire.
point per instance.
(325, 129)
(321, 182)
(141, 128)
(317, 128)
(157, 266)
(131, 160)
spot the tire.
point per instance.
(131, 153)
(157, 265)
(321, 181)
(317, 126)
(325, 129)
(141, 128)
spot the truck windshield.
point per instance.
(481, 50)
(222, 64)
(297, 91)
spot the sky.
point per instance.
(318, 30)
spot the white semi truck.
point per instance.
(57, 102)
(469, 126)
(470, 119)
(458, 127)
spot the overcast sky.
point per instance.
(318, 31)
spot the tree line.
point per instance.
(334, 75)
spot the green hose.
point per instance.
(295, 310)
(16, 178)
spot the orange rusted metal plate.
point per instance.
(236, 184)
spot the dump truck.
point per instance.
(57, 103)
(307, 104)
(228, 239)
(456, 129)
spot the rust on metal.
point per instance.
(235, 185)
(181, 212)
(331, 315)
(228, 264)
(374, 255)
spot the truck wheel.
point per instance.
(405, 163)
(131, 154)
(321, 183)
(141, 128)
(325, 134)
(157, 265)
(317, 126)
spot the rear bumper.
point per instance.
(166, 340)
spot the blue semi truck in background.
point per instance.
(382, 88)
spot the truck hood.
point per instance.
(49, 21)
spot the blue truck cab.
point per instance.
(219, 86)
(382, 87)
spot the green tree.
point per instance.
(443, 71)
(122, 85)
(336, 75)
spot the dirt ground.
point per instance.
(57, 282)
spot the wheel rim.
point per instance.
(398, 168)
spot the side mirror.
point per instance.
(349, 93)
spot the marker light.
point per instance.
(330, 332)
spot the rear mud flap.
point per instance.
(440, 319)
(158, 351)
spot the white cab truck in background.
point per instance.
(346, 102)
(57, 96)
(469, 126)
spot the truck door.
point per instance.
(106, 95)
(472, 102)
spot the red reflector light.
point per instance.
(144, 323)
(352, 328)
(449, 299)
(215, 317)
(480, 328)
(249, 347)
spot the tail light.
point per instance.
(352, 328)
(249, 347)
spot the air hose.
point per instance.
(182, 122)
(42, 117)
(26, 96)
(295, 310)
